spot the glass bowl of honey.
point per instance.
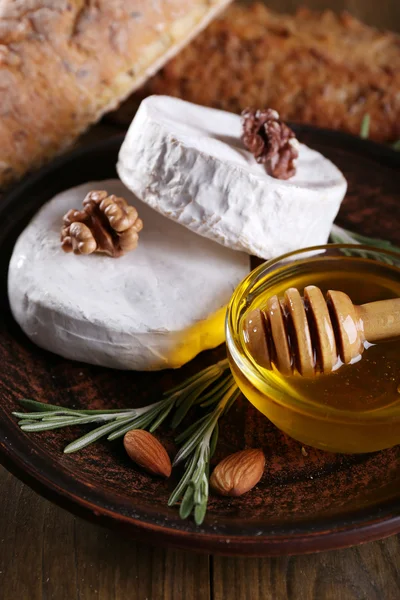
(353, 408)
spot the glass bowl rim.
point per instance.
(237, 356)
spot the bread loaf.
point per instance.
(64, 63)
(321, 68)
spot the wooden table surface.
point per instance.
(47, 553)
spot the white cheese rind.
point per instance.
(189, 164)
(144, 311)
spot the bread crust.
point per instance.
(64, 63)
(324, 69)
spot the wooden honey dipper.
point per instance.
(310, 332)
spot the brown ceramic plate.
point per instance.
(302, 504)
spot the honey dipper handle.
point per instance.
(379, 320)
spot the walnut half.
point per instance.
(270, 141)
(107, 224)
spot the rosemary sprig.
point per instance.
(199, 443)
(212, 387)
(115, 423)
(344, 236)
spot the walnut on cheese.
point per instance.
(154, 308)
(189, 163)
(107, 224)
(271, 141)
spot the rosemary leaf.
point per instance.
(189, 430)
(365, 126)
(201, 493)
(235, 393)
(55, 415)
(200, 512)
(219, 393)
(198, 385)
(141, 422)
(61, 421)
(214, 440)
(350, 237)
(210, 395)
(161, 418)
(187, 382)
(201, 507)
(178, 491)
(45, 426)
(190, 400)
(193, 440)
(182, 410)
(93, 436)
(199, 472)
(187, 504)
(92, 418)
(130, 426)
(43, 415)
(35, 406)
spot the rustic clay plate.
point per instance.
(302, 504)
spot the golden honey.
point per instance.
(356, 408)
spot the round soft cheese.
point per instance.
(155, 307)
(189, 163)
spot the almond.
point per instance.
(238, 473)
(147, 452)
